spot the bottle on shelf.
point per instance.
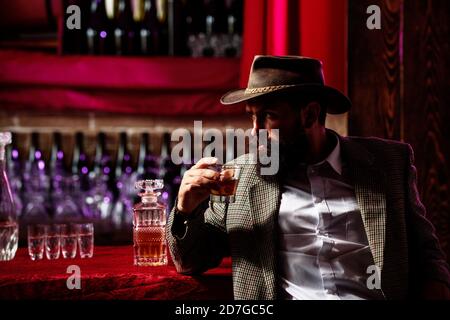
(99, 199)
(233, 39)
(36, 186)
(9, 227)
(163, 27)
(35, 168)
(124, 185)
(14, 170)
(80, 165)
(124, 162)
(99, 33)
(125, 31)
(144, 14)
(214, 22)
(68, 189)
(149, 220)
(57, 158)
(169, 172)
(102, 167)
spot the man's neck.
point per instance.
(321, 143)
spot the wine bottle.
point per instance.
(124, 185)
(34, 154)
(213, 23)
(125, 31)
(163, 27)
(9, 228)
(233, 12)
(35, 168)
(102, 160)
(57, 169)
(169, 172)
(124, 164)
(14, 171)
(13, 162)
(99, 200)
(80, 165)
(57, 164)
(144, 13)
(99, 31)
(36, 185)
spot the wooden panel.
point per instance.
(400, 88)
(427, 101)
(374, 70)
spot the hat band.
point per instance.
(267, 89)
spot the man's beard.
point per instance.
(291, 153)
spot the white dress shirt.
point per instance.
(323, 248)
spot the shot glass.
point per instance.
(36, 241)
(53, 241)
(69, 239)
(86, 239)
(225, 190)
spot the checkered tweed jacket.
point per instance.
(402, 241)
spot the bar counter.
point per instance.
(109, 274)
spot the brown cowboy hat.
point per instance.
(270, 74)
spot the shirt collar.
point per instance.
(334, 158)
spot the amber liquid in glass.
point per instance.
(225, 188)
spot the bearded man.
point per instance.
(342, 218)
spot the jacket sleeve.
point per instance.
(195, 243)
(429, 260)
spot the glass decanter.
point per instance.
(149, 221)
(9, 228)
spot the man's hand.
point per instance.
(196, 185)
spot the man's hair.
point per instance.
(300, 100)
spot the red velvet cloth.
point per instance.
(154, 86)
(109, 274)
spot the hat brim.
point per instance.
(336, 102)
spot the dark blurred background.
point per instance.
(90, 109)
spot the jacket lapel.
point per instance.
(264, 197)
(369, 184)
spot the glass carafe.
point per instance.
(149, 221)
(9, 228)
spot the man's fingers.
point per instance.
(201, 181)
(205, 162)
(206, 173)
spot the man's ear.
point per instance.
(310, 114)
